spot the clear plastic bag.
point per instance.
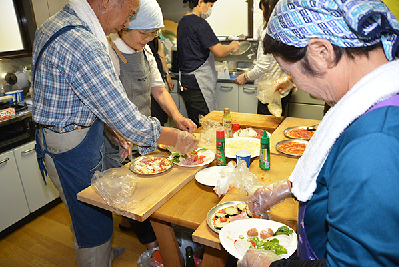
(116, 186)
(271, 88)
(275, 105)
(240, 178)
(147, 260)
(208, 135)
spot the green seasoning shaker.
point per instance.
(264, 152)
(220, 156)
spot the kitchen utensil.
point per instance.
(243, 47)
(13, 76)
(312, 128)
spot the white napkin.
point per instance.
(380, 84)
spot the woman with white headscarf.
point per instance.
(137, 69)
(347, 181)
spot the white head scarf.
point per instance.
(149, 16)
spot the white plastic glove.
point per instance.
(266, 197)
(258, 258)
(186, 142)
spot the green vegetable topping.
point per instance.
(272, 245)
(283, 230)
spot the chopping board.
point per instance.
(265, 122)
(151, 193)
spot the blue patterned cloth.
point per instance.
(74, 83)
(346, 23)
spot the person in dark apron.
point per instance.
(141, 79)
(347, 179)
(197, 45)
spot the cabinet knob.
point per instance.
(28, 151)
(4, 160)
(227, 88)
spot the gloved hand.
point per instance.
(267, 196)
(186, 142)
(258, 258)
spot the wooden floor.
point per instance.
(48, 241)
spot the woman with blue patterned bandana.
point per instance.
(347, 181)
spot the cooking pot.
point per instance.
(13, 76)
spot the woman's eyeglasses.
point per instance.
(152, 34)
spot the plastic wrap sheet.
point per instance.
(239, 177)
(116, 186)
(208, 133)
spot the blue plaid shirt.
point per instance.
(75, 83)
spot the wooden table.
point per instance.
(285, 212)
(180, 200)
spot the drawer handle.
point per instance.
(28, 151)
(250, 89)
(4, 160)
(226, 88)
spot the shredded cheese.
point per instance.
(234, 145)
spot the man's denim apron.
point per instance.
(92, 226)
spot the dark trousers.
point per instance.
(195, 104)
(143, 230)
(158, 112)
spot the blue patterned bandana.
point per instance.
(346, 23)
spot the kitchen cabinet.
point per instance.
(13, 205)
(238, 98)
(23, 190)
(247, 98)
(303, 105)
(228, 96)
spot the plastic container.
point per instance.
(264, 160)
(227, 122)
(220, 155)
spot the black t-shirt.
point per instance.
(195, 37)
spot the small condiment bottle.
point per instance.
(220, 155)
(264, 159)
(227, 122)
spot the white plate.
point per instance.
(209, 176)
(210, 156)
(230, 232)
(232, 154)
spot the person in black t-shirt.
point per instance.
(197, 45)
